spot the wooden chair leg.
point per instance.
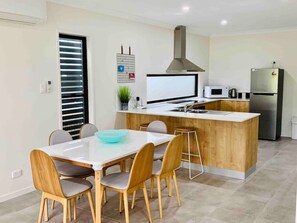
(152, 187)
(126, 206)
(121, 202)
(65, 208)
(166, 181)
(169, 186)
(102, 189)
(160, 196)
(42, 202)
(133, 199)
(104, 196)
(176, 188)
(89, 194)
(147, 203)
(45, 210)
(69, 209)
(53, 204)
(74, 208)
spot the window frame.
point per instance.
(85, 73)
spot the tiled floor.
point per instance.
(268, 196)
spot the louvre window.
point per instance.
(74, 83)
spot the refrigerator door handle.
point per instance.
(266, 94)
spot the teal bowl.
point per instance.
(112, 136)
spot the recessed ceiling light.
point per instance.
(224, 22)
(185, 8)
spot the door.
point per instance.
(266, 105)
(264, 80)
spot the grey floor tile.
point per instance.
(15, 217)
(226, 215)
(275, 212)
(267, 196)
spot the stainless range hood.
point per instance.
(180, 63)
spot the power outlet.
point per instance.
(16, 173)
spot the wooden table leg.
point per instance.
(123, 166)
(98, 195)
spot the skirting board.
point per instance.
(222, 172)
(17, 193)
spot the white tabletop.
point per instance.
(95, 152)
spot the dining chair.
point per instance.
(67, 169)
(87, 130)
(166, 168)
(158, 127)
(126, 183)
(64, 169)
(47, 180)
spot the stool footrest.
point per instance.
(191, 154)
(185, 160)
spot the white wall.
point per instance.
(29, 56)
(231, 60)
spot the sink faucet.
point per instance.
(187, 107)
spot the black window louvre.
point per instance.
(74, 83)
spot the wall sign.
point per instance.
(125, 67)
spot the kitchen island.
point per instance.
(228, 140)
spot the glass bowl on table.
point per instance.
(112, 136)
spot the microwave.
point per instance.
(216, 92)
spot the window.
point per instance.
(74, 83)
(166, 87)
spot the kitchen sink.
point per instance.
(178, 110)
(187, 101)
(189, 111)
(198, 111)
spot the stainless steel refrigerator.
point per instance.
(267, 99)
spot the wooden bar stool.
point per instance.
(143, 126)
(188, 131)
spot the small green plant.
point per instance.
(124, 94)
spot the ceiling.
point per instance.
(204, 16)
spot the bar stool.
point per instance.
(143, 126)
(188, 131)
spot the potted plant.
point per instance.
(124, 94)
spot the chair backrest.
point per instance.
(142, 166)
(157, 126)
(59, 136)
(87, 130)
(173, 155)
(45, 175)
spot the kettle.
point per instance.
(233, 93)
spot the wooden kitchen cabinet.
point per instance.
(215, 105)
(236, 106)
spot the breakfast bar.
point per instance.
(228, 141)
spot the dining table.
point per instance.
(93, 153)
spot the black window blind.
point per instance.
(74, 83)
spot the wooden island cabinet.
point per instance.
(228, 142)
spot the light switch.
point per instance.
(49, 87)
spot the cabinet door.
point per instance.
(235, 106)
(211, 106)
(226, 106)
(241, 106)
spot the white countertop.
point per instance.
(163, 109)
